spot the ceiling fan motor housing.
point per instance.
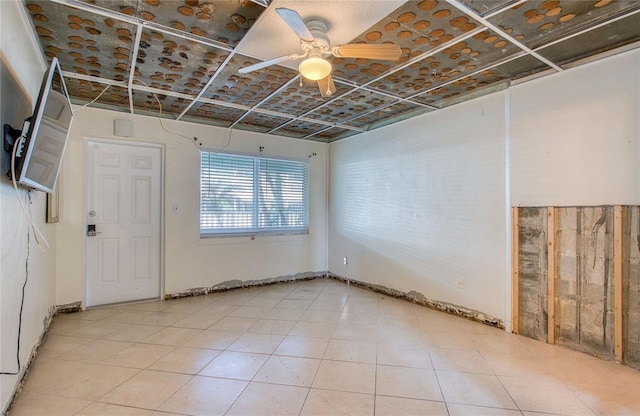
(318, 28)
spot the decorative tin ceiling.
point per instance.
(185, 55)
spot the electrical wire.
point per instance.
(197, 143)
(37, 234)
(94, 100)
(24, 285)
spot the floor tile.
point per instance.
(204, 396)
(393, 406)
(467, 410)
(355, 332)
(196, 321)
(250, 312)
(96, 330)
(346, 350)
(95, 351)
(147, 390)
(272, 326)
(468, 361)
(293, 371)
(337, 403)
(175, 337)
(411, 383)
(346, 376)
(258, 343)
(302, 347)
(56, 345)
(32, 404)
(64, 326)
(313, 329)
(105, 409)
(78, 380)
(286, 314)
(185, 360)
(133, 333)
(163, 318)
(269, 399)
(237, 365)
(233, 324)
(544, 394)
(404, 355)
(474, 389)
(258, 350)
(213, 340)
(138, 355)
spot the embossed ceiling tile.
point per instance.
(538, 22)
(416, 26)
(172, 63)
(83, 92)
(212, 114)
(299, 129)
(260, 122)
(247, 89)
(465, 88)
(223, 21)
(145, 103)
(388, 115)
(77, 39)
(297, 100)
(456, 61)
(607, 37)
(351, 105)
(485, 7)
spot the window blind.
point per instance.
(249, 195)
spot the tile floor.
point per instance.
(317, 347)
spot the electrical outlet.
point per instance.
(345, 260)
(175, 208)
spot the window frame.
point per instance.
(256, 230)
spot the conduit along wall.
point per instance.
(576, 273)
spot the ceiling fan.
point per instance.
(315, 46)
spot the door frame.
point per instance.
(161, 259)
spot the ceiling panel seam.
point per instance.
(264, 100)
(502, 33)
(486, 68)
(137, 20)
(132, 67)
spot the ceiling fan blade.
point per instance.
(385, 51)
(261, 65)
(326, 86)
(295, 22)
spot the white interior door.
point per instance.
(124, 193)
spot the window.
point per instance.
(241, 195)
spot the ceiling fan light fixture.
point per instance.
(315, 68)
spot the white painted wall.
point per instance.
(419, 206)
(190, 261)
(575, 136)
(21, 75)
